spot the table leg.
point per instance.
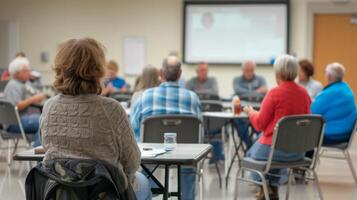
(236, 152)
(213, 155)
(149, 173)
(166, 191)
(179, 182)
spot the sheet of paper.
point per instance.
(151, 152)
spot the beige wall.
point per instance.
(43, 24)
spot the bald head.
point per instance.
(335, 72)
(248, 68)
(171, 69)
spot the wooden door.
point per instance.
(335, 40)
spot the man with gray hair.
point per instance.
(202, 83)
(20, 93)
(249, 85)
(336, 103)
(168, 98)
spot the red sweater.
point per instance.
(286, 99)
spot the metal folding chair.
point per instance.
(9, 115)
(293, 134)
(187, 127)
(344, 149)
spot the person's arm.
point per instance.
(260, 120)
(135, 117)
(130, 155)
(215, 86)
(263, 89)
(238, 89)
(15, 95)
(190, 85)
(37, 98)
(321, 104)
(196, 106)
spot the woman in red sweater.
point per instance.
(286, 99)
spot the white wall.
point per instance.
(43, 24)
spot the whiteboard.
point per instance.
(232, 33)
(134, 55)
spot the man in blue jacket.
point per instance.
(336, 103)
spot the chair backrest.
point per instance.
(208, 96)
(120, 96)
(187, 127)
(298, 133)
(354, 131)
(211, 106)
(9, 115)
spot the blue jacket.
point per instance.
(336, 103)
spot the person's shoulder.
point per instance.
(49, 102)
(260, 78)
(107, 100)
(316, 84)
(190, 93)
(110, 104)
(14, 84)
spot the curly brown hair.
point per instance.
(79, 67)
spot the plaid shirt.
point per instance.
(168, 98)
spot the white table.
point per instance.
(183, 154)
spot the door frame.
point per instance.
(323, 8)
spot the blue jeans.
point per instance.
(242, 126)
(144, 189)
(188, 183)
(261, 152)
(30, 123)
(216, 142)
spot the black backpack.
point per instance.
(72, 179)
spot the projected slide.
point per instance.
(233, 33)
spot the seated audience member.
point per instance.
(248, 85)
(202, 83)
(288, 98)
(148, 79)
(306, 71)
(336, 103)
(168, 98)
(207, 85)
(113, 83)
(78, 123)
(19, 92)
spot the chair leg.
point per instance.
(317, 184)
(240, 171)
(201, 185)
(265, 186)
(289, 184)
(350, 164)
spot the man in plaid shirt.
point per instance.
(168, 98)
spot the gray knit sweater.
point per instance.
(89, 126)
